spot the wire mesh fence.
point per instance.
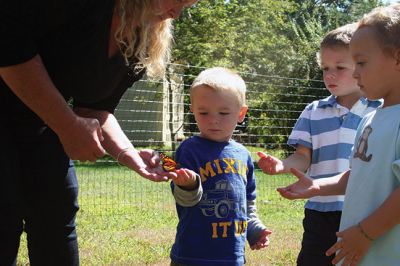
(155, 114)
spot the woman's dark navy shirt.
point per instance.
(72, 38)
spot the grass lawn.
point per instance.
(127, 220)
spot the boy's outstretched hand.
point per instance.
(304, 188)
(351, 247)
(185, 178)
(270, 164)
(263, 241)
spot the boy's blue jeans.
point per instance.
(38, 194)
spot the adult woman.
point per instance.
(85, 52)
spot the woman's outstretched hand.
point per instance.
(147, 164)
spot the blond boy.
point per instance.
(215, 199)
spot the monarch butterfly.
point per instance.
(168, 164)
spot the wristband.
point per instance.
(364, 233)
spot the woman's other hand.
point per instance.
(82, 139)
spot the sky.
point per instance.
(391, 1)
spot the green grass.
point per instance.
(127, 220)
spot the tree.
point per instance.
(265, 40)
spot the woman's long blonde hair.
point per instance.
(150, 44)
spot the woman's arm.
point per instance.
(116, 143)
(30, 82)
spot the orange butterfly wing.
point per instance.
(168, 164)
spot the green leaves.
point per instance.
(263, 36)
(273, 43)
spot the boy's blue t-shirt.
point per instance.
(213, 232)
(375, 175)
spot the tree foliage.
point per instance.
(268, 37)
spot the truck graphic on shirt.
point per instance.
(220, 200)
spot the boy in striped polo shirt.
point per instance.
(323, 137)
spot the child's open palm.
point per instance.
(303, 188)
(270, 164)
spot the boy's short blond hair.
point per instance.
(220, 78)
(385, 21)
(337, 38)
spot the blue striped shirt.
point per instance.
(329, 130)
